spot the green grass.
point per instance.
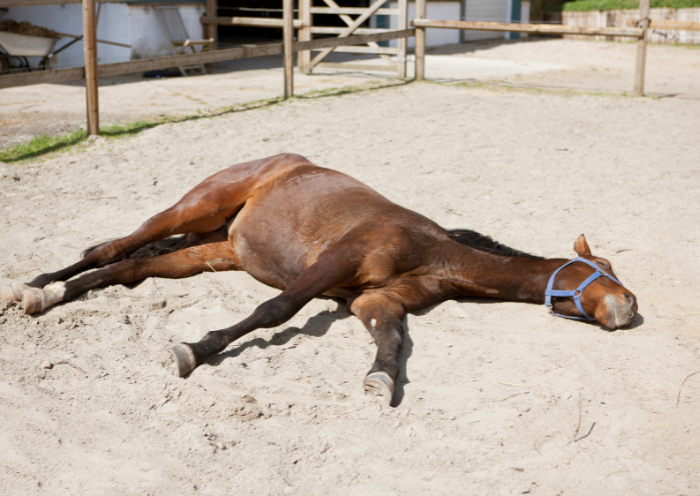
(43, 145)
(589, 5)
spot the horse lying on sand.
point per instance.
(310, 231)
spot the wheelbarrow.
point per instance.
(21, 46)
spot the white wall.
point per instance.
(137, 26)
(147, 37)
(477, 10)
(69, 19)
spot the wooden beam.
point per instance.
(288, 36)
(402, 43)
(304, 57)
(91, 82)
(210, 30)
(352, 40)
(338, 31)
(348, 22)
(35, 3)
(640, 67)
(367, 49)
(259, 22)
(526, 28)
(351, 10)
(420, 40)
(350, 29)
(105, 70)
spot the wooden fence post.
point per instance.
(91, 91)
(420, 41)
(304, 57)
(403, 42)
(288, 8)
(210, 30)
(641, 49)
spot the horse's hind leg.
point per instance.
(382, 316)
(204, 209)
(314, 281)
(211, 252)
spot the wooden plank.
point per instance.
(348, 21)
(288, 37)
(640, 67)
(63, 75)
(527, 28)
(420, 40)
(259, 22)
(366, 49)
(210, 30)
(352, 40)
(304, 57)
(349, 66)
(350, 29)
(91, 82)
(189, 59)
(338, 31)
(35, 3)
(41, 77)
(351, 10)
(402, 42)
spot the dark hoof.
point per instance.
(185, 361)
(381, 385)
(41, 281)
(13, 292)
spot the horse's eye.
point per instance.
(603, 264)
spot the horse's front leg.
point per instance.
(382, 315)
(325, 274)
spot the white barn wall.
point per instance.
(132, 25)
(477, 10)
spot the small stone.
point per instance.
(46, 365)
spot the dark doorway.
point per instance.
(242, 35)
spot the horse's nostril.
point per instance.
(629, 298)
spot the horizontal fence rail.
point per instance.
(63, 75)
(527, 28)
(259, 22)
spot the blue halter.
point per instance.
(576, 293)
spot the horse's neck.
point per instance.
(476, 273)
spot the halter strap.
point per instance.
(576, 293)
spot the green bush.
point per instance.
(588, 5)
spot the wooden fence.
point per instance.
(346, 38)
(92, 70)
(639, 32)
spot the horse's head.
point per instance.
(587, 288)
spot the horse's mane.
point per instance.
(484, 243)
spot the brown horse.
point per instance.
(310, 231)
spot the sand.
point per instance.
(494, 397)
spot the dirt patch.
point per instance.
(492, 396)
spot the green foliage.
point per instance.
(589, 5)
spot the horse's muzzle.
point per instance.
(618, 310)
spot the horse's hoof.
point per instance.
(380, 384)
(13, 292)
(185, 361)
(37, 300)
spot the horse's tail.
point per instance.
(161, 247)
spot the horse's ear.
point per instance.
(581, 247)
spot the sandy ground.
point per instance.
(553, 63)
(494, 397)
